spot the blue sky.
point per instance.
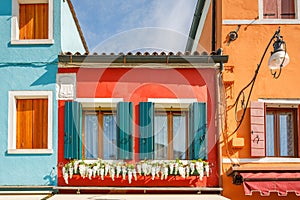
(135, 25)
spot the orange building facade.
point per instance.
(261, 155)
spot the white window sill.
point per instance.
(260, 21)
(29, 42)
(262, 160)
(30, 151)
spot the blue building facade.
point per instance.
(33, 33)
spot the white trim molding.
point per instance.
(15, 40)
(99, 102)
(280, 101)
(172, 102)
(261, 160)
(12, 121)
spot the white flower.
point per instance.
(171, 165)
(95, 169)
(144, 169)
(82, 170)
(76, 166)
(153, 171)
(176, 167)
(106, 169)
(181, 171)
(139, 169)
(71, 172)
(129, 176)
(118, 170)
(134, 174)
(112, 173)
(124, 172)
(192, 167)
(206, 167)
(157, 170)
(102, 173)
(90, 173)
(187, 169)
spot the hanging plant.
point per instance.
(161, 169)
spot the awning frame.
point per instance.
(237, 179)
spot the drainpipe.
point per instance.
(213, 30)
(219, 120)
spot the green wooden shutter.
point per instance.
(146, 124)
(198, 131)
(73, 130)
(124, 130)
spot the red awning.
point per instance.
(282, 183)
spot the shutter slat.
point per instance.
(257, 120)
(40, 123)
(287, 9)
(146, 124)
(198, 131)
(73, 130)
(124, 130)
(270, 9)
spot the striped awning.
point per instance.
(267, 182)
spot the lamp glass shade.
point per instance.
(277, 59)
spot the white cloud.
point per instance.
(130, 25)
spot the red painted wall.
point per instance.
(137, 85)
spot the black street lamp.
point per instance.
(279, 59)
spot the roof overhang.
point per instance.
(172, 61)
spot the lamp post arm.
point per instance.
(241, 94)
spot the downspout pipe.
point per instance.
(213, 28)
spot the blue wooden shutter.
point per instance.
(124, 130)
(198, 131)
(73, 130)
(146, 124)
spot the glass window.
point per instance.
(100, 135)
(170, 133)
(281, 132)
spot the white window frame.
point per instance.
(178, 103)
(261, 19)
(12, 120)
(15, 40)
(99, 102)
(284, 103)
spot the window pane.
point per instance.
(160, 137)
(91, 136)
(270, 135)
(179, 136)
(109, 137)
(286, 134)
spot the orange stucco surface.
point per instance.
(244, 55)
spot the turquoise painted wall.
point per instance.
(22, 169)
(27, 67)
(69, 32)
